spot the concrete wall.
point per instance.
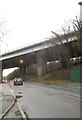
(52, 65)
(41, 63)
(33, 69)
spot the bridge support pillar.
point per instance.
(23, 72)
(20, 71)
(1, 78)
(26, 73)
(41, 64)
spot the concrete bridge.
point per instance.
(30, 56)
(34, 58)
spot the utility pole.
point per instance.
(80, 3)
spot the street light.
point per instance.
(80, 3)
(21, 61)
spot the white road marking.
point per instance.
(21, 110)
(12, 92)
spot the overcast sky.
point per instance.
(29, 21)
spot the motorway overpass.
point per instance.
(34, 57)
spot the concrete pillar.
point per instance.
(26, 72)
(23, 72)
(1, 78)
(20, 68)
(41, 63)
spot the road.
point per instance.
(44, 101)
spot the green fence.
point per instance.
(76, 75)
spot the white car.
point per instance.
(18, 81)
(4, 81)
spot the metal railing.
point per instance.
(26, 45)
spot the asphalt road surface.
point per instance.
(43, 101)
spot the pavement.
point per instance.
(7, 99)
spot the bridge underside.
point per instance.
(36, 63)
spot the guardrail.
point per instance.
(26, 45)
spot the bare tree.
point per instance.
(70, 35)
(2, 34)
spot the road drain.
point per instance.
(19, 92)
(26, 115)
(18, 114)
(18, 96)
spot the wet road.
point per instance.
(40, 101)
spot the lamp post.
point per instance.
(80, 3)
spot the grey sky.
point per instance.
(29, 21)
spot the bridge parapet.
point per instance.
(26, 45)
(36, 47)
